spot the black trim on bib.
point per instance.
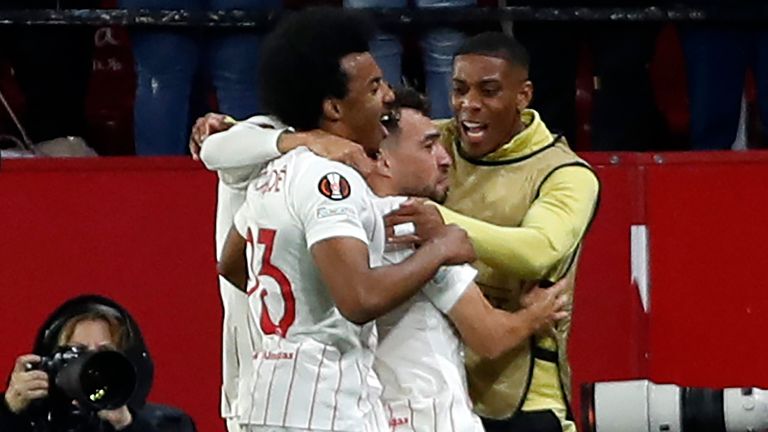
(483, 162)
(544, 354)
(575, 253)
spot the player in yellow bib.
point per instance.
(526, 201)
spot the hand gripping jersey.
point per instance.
(314, 367)
(420, 358)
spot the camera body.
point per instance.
(53, 364)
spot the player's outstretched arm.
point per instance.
(363, 293)
(552, 228)
(329, 146)
(260, 139)
(233, 265)
(491, 332)
(247, 143)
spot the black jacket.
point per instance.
(135, 349)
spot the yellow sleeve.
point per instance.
(551, 229)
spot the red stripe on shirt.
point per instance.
(290, 384)
(314, 392)
(269, 391)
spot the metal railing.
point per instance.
(757, 13)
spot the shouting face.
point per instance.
(488, 95)
(367, 101)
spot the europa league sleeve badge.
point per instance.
(334, 186)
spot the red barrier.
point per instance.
(608, 340)
(707, 215)
(141, 231)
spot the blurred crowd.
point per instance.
(639, 86)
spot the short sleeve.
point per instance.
(331, 200)
(448, 285)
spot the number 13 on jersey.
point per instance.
(262, 267)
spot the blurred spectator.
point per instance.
(438, 46)
(112, 89)
(717, 58)
(51, 65)
(624, 114)
(67, 147)
(167, 61)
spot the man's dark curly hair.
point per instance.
(301, 62)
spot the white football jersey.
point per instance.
(420, 357)
(314, 367)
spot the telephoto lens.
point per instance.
(643, 406)
(97, 380)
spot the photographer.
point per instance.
(84, 324)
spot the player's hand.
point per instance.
(454, 245)
(331, 147)
(119, 418)
(205, 126)
(547, 306)
(425, 217)
(25, 386)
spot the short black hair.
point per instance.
(301, 62)
(405, 97)
(496, 44)
(408, 97)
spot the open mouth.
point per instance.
(475, 131)
(389, 122)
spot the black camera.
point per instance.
(97, 380)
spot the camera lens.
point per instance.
(98, 380)
(643, 406)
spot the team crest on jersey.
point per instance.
(334, 186)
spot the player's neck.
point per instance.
(336, 128)
(382, 185)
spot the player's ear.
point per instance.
(332, 109)
(384, 164)
(525, 95)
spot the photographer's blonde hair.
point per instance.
(117, 330)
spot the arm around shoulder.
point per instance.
(246, 144)
(552, 228)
